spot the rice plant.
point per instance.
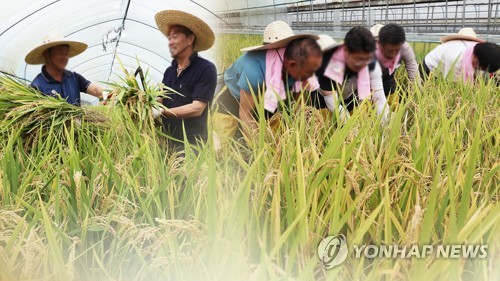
(120, 206)
(29, 114)
(137, 99)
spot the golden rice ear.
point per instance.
(121, 64)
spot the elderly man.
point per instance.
(193, 77)
(350, 71)
(462, 55)
(392, 49)
(55, 80)
(283, 64)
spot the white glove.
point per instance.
(157, 113)
(105, 95)
(343, 114)
(330, 102)
(386, 118)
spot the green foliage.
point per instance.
(32, 116)
(120, 205)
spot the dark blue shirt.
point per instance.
(196, 83)
(69, 88)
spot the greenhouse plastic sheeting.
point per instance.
(255, 13)
(114, 31)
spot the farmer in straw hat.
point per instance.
(282, 64)
(193, 77)
(55, 80)
(392, 49)
(326, 42)
(349, 71)
(462, 55)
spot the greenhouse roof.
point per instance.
(114, 30)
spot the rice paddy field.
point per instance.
(95, 193)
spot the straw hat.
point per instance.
(205, 37)
(376, 29)
(277, 34)
(465, 33)
(50, 40)
(326, 42)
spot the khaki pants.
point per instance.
(226, 111)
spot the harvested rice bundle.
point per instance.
(30, 113)
(138, 100)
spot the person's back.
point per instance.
(250, 68)
(448, 56)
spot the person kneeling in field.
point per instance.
(351, 71)
(392, 49)
(462, 55)
(284, 63)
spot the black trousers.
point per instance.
(424, 71)
(389, 83)
(317, 101)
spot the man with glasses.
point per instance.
(350, 71)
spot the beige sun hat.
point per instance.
(326, 42)
(205, 36)
(376, 29)
(277, 34)
(50, 40)
(465, 33)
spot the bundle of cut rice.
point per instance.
(138, 100)
(30, 113)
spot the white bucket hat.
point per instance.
(465, 33)
(205, 36)
(326, 42)
(277, 34)
(50, 40)
(376, 29)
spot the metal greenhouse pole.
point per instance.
(490, 10)
(386, 12)
(274, 8)
(463, 14)
(446, 17)
(414, 15)
(369, 23)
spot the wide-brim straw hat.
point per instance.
(51, 40)
(375, 30)
(465, 33)
(205, 36)
(326, 42)
(277, 34)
